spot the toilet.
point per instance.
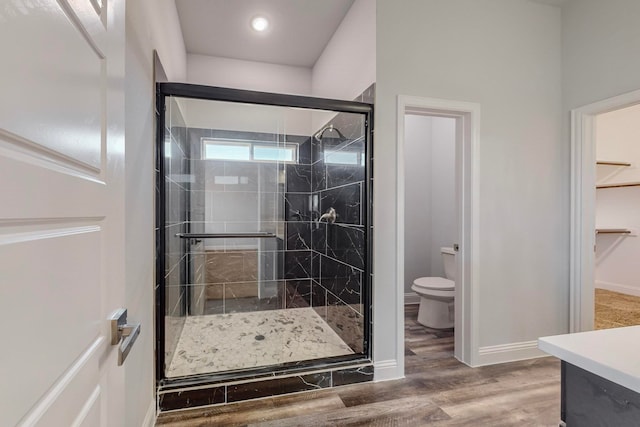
(436, 294)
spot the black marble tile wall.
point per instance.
(228, 391)
(298, 178)
(319, 238)
(297, 207)
(319, 299)
(352, 375)
(346, 200)
(319, 176)
(338, 175)
(299, 235)
(346, 322)
(267, 388)
(172, 400)
(346, 243)
(342, 280)
(298, 293)
(339, 249)
(297, 265)
(315, 265)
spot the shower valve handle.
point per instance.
(330, 216)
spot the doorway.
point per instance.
(462, 119)
(605, 194)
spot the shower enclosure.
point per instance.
(263, 257)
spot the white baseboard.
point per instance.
(150, 418)
(616, 287)
(411, 298)
(491, 355)
(386, 370)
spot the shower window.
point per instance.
(219, 150)
(250, 151)
(252, 277)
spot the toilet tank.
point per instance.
(449, 260)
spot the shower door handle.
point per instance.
(123, 332)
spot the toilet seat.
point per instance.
(435, 283)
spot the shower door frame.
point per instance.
(185, 90)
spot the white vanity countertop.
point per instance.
(613, 354)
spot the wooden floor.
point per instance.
(437, 391)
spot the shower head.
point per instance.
(318, 136)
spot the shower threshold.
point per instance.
(236, 341)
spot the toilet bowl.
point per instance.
(436, 295)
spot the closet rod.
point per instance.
(608, 163)
(631, 184)
(612, 231)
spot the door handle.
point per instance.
(123, 334)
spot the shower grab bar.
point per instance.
(224, 235)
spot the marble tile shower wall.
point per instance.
(339, 248)
(176, 191)
(309, 264)
(238, 196)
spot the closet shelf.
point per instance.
(611, 163)
(624, 184)
(613, 231)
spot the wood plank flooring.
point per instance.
(437, 391)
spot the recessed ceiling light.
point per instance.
(259, 23)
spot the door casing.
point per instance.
(583, 199)
(467, 116)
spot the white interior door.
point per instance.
(61, 211)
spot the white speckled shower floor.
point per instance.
(223, 342)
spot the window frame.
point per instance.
(252, 144)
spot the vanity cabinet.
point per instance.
(600, 376)
(588, 400)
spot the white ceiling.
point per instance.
(298, 33)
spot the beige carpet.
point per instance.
(614, 309)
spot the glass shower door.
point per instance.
(265, 234)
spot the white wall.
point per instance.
(505, 55)
(157, 20)
(249, 75)
(600, 61)
(617, 137)
(150, 25)
(430, 213)
(417, 244)
(205, 114)
(347, 66)
(600, 50)
(444, 217)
